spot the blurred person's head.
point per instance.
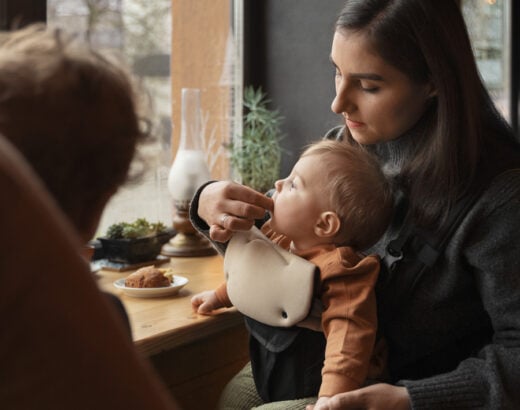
(73, 114)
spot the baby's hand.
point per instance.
(205, 302)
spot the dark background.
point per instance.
(287, 48)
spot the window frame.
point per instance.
(515, 66)
(20, 13)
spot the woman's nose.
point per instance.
(343, 101)
(335, 106)
(278, 185)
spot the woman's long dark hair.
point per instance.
(427, 40)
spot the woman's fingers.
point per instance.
(239, 202)
(219, 234)
(257, 201)
(228, 224)
(375, 397)
(228, 207)
(244, 202)
(234, 223)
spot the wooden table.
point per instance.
(195, 355)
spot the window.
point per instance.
(489, 26)
(169, 44)
(138, 32)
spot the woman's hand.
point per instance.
(375, 397)
(228, 207)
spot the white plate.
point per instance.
(178, 283)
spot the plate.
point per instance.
(178, 283)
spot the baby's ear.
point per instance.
(327, 225)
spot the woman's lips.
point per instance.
(354, 124)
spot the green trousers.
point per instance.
(240, 394)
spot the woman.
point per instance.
(408, 88)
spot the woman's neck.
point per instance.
(395, 154)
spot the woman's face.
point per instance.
(379, 102)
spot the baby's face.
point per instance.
(300, 199)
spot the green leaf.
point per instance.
(257, 157)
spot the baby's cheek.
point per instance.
(275, 218)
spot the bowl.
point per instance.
(134, 250)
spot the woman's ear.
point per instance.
(327, 225)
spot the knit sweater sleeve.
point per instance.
(199, 224)
(489, 240)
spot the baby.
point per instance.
(325, 215)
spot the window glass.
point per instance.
(139, 33)
(488, 23)
(162, 42)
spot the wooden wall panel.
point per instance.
(198, 59)
(196, 373)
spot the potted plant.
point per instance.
(135, 242)
(256, 156)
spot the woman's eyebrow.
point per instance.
(360, 76)
(366, 76)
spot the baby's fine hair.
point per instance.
(360, 193)
(71, 112)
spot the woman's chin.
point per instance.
(361, 138)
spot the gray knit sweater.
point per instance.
(455, 342)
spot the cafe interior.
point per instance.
(199, 61)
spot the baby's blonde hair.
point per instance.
(360, 194)
(71, 112)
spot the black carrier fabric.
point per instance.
(413, 254)
(416, 250)
(407, 259)
(286, 362)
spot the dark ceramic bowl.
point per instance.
(136, 250)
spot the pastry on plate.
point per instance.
(149, 277)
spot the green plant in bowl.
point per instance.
(134, 242)
(137, 229)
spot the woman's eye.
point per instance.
(369, 88)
